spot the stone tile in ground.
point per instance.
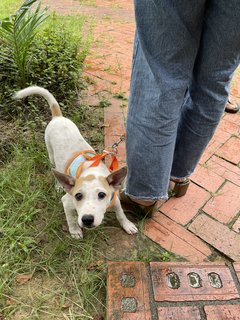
(173, 237)
(187, 282)
(222, 312)
(181, 291)
(218, 235)
(127, 291)
(225, 205)
(184, 209)
(178, 313)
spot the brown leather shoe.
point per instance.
(232, 107)
(178, 189)
(132, 207)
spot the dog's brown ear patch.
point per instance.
(66, 181)
(116, 178)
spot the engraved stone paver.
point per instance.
(130, 287)
(128, 293)
(171, 282)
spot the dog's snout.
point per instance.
(88, 220)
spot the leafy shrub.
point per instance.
(18, 32)
(55, 60)
(57, 64)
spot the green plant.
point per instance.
(17, 32)
(57, 60)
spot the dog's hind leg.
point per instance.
(70, 212)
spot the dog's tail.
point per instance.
(55, 108)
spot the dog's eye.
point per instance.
(101, 195)
(78, 196)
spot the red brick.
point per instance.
(183, 209)
(230, 150)
(207, 178)
(212, 147)
(179, 313)
(114, 128)
(137, 290)
(236, 226)
(235, 118)
(229, 127)
(225, 204)
(223, 312)
(237, 269)
(175, 238)
(218, 235)
(224, 169)
(181, 289)
(221, 136)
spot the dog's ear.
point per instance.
(116, 178)
(66, 181)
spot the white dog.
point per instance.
(94, 191)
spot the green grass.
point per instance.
(68, 276)
(33, 242)
(9, 7)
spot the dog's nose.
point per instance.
(88, 220)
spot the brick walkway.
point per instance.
(173, 291)
(203, 226)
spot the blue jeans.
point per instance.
(185, 53)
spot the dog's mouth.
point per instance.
(87, 227)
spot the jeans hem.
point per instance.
(162, 197)
(180, 178)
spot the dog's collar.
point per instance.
(75, 165)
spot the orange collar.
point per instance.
(75, 164)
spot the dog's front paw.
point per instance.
(129, 227)
(76, 233)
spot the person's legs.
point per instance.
(168, 36)
(216, 61)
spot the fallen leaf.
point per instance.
(66, 306)
(9, 302)
(105, 126)
(97, 317)
(95, 265)
(23, 278)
